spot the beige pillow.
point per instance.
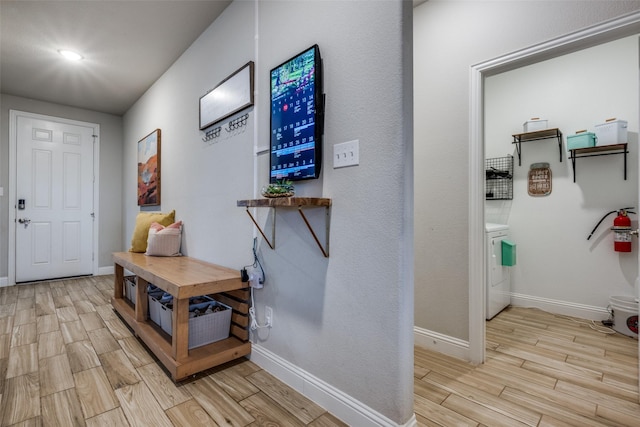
(164, 241)
(141, 230)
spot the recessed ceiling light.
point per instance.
(70, 55)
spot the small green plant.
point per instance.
(280, 188)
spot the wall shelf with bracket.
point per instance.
(602, 150)
(291, 202)
(537, 135)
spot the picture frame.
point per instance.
(149, 169)
(232, 95)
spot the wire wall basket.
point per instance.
(498, 182)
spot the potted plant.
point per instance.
(280, 188)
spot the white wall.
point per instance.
(449, 37)
(200, 180)
(338, 319)
(110, 214)
(575, 91)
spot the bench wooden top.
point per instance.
(181, 276)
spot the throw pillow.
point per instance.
(141, 230)
(164, 241)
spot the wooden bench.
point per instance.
(183, 277)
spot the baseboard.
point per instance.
(460, 349)
(103, 271)
(341, 405)
(4, 281)
(565, 308)
(441, 343)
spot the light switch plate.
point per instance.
(346, 154)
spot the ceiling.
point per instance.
(127, 45)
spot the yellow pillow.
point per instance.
(143, 222)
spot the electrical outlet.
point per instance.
(268, 316)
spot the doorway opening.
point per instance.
(608, 31)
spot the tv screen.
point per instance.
(297, 109)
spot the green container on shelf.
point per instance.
(581, 139)
(508, 253)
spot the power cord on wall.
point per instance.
(252, 315)
(256, 282)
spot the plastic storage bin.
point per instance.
(581, 139)
(611, 132)
(166, 310)
(535, 124)
(204, 329)
(625, 315)
(154, 294)
(130, 288)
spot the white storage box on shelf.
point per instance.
(611, 132)
(203, 329)
(535, 124)
(130, 288)
(154, 295)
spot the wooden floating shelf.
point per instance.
(579, 151)
(537, 135)
(601, 150)
(291, 202)
(271, 202)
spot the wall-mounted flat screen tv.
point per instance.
(297, 116)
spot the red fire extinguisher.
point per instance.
(622, 232)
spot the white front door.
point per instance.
(53, 198)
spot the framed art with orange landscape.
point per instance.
(149, 169)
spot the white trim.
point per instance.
(606, 31)
(13, 117)
(444, 344)
(103, 271)
(477, 262)
(565, 308)
(96, 199)
(4, 282)
(339, 404)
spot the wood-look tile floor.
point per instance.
(66, 359)
(541, 370)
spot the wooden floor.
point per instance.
(541, 370)
(66, 359)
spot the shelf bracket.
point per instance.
(559, 135)
(327, 218)
(518, 148)
(271, 242)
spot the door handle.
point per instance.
(24, 221)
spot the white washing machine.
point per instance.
(498, 276)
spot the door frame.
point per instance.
(13, 145)
(626, 25)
